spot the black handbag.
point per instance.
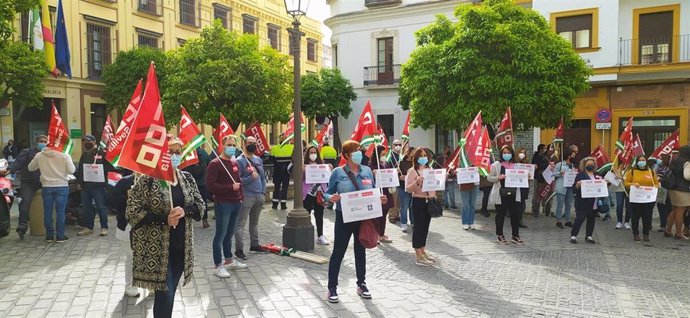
(507, 192)
(434, 208)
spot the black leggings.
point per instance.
(310, 204)
(514, 209)
(644, 211)
(580, 216)
(422, 220)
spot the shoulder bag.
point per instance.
(433, 206)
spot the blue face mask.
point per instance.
(641, 164)
(40, 146)
(175, 160)
(422, 161)
(507, 156)
(230, 151)
(357, 157)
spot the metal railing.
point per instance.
(373, 3)
(154, 7)
(663, 50)
(382, 75)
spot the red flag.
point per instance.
(146, 148)
(384, 140)
(504, 136)
(219, 133)
(671, 143)
(108, 132)
(325, 132)
(261, 142)
(600, 156)
(380, 139)
(406, 129)
(289, 134)
(625, 139)
(636, 149)
(558, 136)
(115, 145)
(479, 149)
(474, 127)
(365, 131)
(451, 162)
(58, 137)
(192, 138)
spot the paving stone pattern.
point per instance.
(475, 277)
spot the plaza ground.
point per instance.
(547, 277)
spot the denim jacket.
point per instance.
(340, 182)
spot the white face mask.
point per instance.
(312, 157)
(397, 148)
(521, 156)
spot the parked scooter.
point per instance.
(6, 204)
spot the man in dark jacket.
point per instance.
(30, 181)
(541, 161)
(92, 175)
(198, 171)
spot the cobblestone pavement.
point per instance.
(547, 277)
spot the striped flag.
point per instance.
(406, 129)
(36, 28)
(365, 132)
(115, 145)
(504, 135)
(191, 136)
(219, 133)
(58, 137)
(48, 40)
(289, 133)
(108, 132)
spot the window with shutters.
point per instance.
(580, 28)
(655, 37)
(99, 48)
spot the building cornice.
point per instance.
(393, 12)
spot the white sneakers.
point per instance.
(131, 291)
(466, 227)
(627, 226)
(84, 232)
(221, 272)
(235, 265)
(104, 232)
(322, 240)
(403, 228)
(619, 226)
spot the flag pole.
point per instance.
(221, 162)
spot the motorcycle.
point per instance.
(5, 205)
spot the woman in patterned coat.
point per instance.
(162, 235)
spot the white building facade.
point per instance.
(371, 40)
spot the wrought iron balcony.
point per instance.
(376, 3)
(382, 75)
(665, 50)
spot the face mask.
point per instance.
(589, 168)
(507, 156)
(230, 151)
(41, 145)
(357, 157)
(641, 164)
(397, 148)
(521, 156)
(175, 160)
(251, 148)
(88, 146)
(422, 161)
(312, 157)
(383, 159)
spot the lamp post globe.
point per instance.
(298, 232)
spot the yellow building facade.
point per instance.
(98, 29)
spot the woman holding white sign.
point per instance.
(641, 176)
(508, 200)
(420, 200)
(564, 190)
(313, 194)
(352, 177)
(584, 207)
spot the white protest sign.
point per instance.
(467, 175)
(317, 174)
(93, 173)
(594, 189)
(569, 179)
(386, 178)
(526, 166)
(361, 205)
(434, 180)
(643, 194)
(516, 178)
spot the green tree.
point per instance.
(496, 55)
(327, 93)
(227, 72)
(21, 75)
(121, 77)
(8, 12)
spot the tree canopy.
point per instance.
(496, 55)
(8, 12)
(326, 93)
(226, 72)
(129, 67)
(21, 75)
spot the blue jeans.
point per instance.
(664, 210)
(405, 200)
(226, 222)
(468, 201)
(621, 202)
(54, 197)
(564, 201)
(165, 299)
(449, 195)
(89, 195)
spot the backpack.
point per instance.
(669, 181)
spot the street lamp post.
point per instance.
(298, 232)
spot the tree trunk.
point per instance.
(336, 135)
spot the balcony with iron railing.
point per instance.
(376, 3)
(649, 51)
(381, 75)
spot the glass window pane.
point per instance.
(582, 39)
